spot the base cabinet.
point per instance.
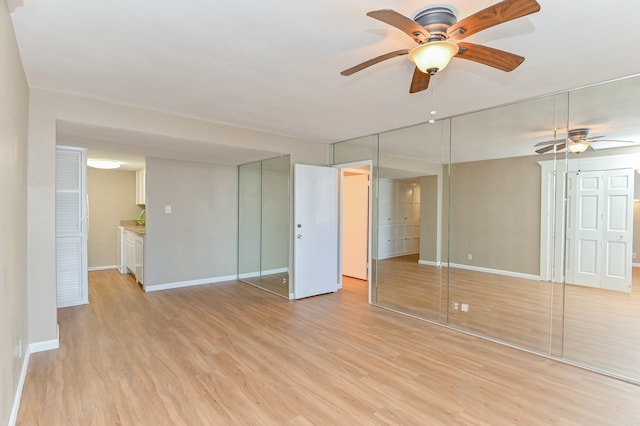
(133, 250)
(139, 257)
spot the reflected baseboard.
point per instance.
(258, 274)
(494, 271)
(429, 263)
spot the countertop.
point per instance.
(132, 225)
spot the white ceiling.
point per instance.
(274, 65)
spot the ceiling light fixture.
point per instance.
(433, 56)
(103, 164)
(578, 146)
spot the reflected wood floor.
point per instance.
(595, 327)
(232, 354)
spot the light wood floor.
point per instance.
(233, 354)
(594, 327)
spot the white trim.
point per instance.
(635, 265)
(13, 418)
(180, 284)
(46, 345)
(267, 272)
(102, 268)
(429, 263)
(495, 271)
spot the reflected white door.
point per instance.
(315, 258)
(355, 225)
(618, 230)
(602, 229)
(587, 244)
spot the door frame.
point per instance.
(341, 167)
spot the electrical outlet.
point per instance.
(464, 307)
(456, 306)
(469, 256)
(633, 255)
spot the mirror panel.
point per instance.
(263, 224)
(274, 271)
(249, 201)
(409, 245)
(602, 307)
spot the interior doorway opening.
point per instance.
(355, 224)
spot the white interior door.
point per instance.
(587, 228)
(315, 258)
(618, 230)
(355, 224)
(71, 227)
(601, 229)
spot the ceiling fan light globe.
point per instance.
(433, 56)
(578, 147)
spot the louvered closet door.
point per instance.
(71, 227)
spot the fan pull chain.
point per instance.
(432, 114)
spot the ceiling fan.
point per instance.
(437, 32)
(577, 141)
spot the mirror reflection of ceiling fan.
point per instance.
(577, 141)
(437, 32)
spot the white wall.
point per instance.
(13, 221)
(47, 107)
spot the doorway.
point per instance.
(355, 220)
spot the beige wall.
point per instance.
(45, 109)
(112, 197)
(495, 214)
(13, 221)
(198, 240)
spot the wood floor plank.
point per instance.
(232, 354)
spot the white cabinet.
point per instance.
(121, 253)
(130, 251)
(399, 218)
(139, 257)
(133, 253)
(140, 186)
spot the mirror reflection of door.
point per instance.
(600, 228)
(355, 223)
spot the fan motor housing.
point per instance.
(436, 20)
(577, 134)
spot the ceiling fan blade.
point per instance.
(374, 61)
(495, 58)
(545, 149)
(547, 143)
(420, 81)
(504, 11)
(597, 139)
(552, 147)
(410, 27)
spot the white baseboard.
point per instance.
(101, 268)
(180, 284)
(495, 271)
(429, 263)
(13, 418)
(46, 345)
(635, 265)
(267, 272)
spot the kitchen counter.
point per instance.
(132, 225)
